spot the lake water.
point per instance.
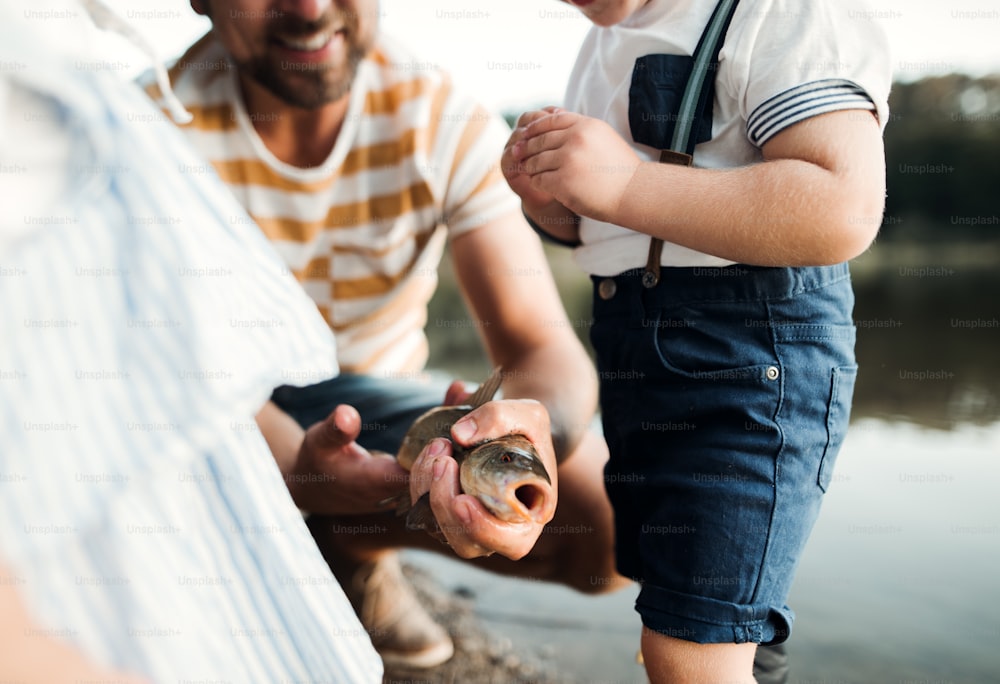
(900, 582)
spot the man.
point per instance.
(358, 162)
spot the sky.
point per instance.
(517, 53)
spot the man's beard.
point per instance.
(309, 87)
(304, 84)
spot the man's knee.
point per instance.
(581, 536)
(590, 569)
(603, 583)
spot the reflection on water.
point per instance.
(901, 578)
(928, 341)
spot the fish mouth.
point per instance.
(518, 502)
(509, 478)
(528, 499)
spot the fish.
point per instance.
(505, 474)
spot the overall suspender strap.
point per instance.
(696, 97)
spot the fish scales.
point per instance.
(505, 474)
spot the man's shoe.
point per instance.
(401, 630)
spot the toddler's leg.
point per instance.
(685, 662)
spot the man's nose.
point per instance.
(310, 10)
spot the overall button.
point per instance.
(771, 373)
(607, 288)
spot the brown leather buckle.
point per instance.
(651, 277)
(673, 157)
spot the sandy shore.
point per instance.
(480, 655)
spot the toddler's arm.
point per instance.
(816, 199)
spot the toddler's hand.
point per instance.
(513, 171)
(579, 161)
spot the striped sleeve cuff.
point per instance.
(803, 102)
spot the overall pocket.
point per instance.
(716, 341)
(837, 419)
(654, 99)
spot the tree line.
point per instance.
(943, 168)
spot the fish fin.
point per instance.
(400, 502)
(421, 517)
(488, 389)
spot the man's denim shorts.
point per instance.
(388, 406)
(725, 396)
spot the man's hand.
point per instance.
(333, 474)
(579, 161)
(470, 529)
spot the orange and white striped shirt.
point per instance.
(363, 232)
